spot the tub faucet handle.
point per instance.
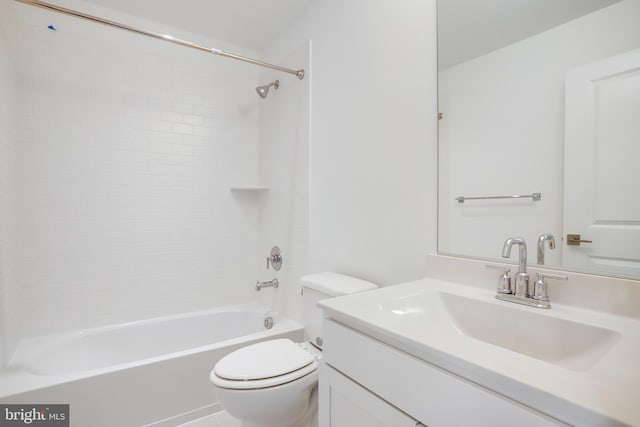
(275, 259)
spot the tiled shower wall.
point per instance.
(128, 152)
(9, 284)
(284, 168)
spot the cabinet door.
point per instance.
(347, 404)
(435, 397)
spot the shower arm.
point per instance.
(168, 38)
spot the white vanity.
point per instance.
(445, 354)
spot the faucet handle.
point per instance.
(552, 276)
(504, 282)
(504, 285)
(540, 287)
(275, 259)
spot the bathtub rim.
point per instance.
(15, 379)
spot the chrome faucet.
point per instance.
(522, 278)
(523, 294)
(541, 240)
(270, 284)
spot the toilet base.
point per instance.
(308, 419)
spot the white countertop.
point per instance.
(604, 393)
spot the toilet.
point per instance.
(274, 383)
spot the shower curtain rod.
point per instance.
(54, 8)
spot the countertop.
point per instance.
(603, 393)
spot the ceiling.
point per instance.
(466, 28)
(248, 23)
(471, 28)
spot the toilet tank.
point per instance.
(316, 287)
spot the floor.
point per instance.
(219, 419)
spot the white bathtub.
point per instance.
(136, 373)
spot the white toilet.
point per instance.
(274, 383)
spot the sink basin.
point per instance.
(573, 345)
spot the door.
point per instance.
(602, 165)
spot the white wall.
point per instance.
(9, 273)
(129, 147)
(503, 131)
(372, 156)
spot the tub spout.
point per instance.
(270, 284)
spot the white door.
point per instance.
(602, 165)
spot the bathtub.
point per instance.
(152, 372)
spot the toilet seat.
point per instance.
(262, 365)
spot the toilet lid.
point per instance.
(308, 374)
(264, 360)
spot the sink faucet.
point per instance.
(535, 296)
(541, 240)
(522, 278)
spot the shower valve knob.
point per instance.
(275, 259)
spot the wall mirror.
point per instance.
(541, 96)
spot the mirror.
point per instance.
(541, 96)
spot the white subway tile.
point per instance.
(125, 172)
(159, 125)
(182, 129)
(171, 117)
(182, 107)
(193, 120)
(203, 131)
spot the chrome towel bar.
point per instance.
(534, 196)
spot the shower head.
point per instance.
(264, 90)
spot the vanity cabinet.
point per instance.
(344, 403)
(366, 382)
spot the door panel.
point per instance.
(602, 165)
